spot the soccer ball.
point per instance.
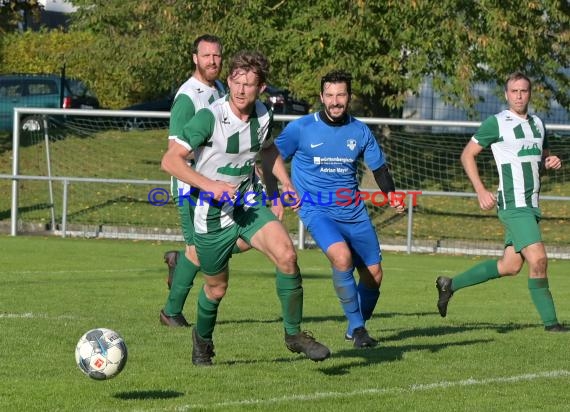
(101, 353)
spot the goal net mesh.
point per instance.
(426, 159)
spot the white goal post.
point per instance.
(95, 189)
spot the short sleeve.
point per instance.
(488, 132)
(182, 111)
(288, 140)
(199, 129)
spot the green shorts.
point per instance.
(215, 248)
(186, 221)
(521, 227)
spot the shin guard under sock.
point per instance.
(290, 293)
(345, 288)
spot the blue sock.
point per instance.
(345, 288)
(368, 299)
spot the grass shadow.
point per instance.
(386, 353)
(146, 395)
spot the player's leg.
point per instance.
(509, 264)
(344, 284)
(184, 272)
(327, 234)
(240, 247)
(214, 251)
(182, 269)
(261, 229)
(370, 280)
(538, 286)
(479, 273)
(367, 258)
(528, 240)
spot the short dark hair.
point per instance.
(208, 38)
(251, 61)
(517, 76)
(337, 76)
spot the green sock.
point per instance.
(542, 299)
(480, 273)
(290, 293)
(183, 280)
(207, 315)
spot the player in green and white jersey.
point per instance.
(199, 91)
(520, 148)
(226, 204)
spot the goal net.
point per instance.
(98, 172)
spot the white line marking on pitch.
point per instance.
(59, 272)
(30, 315)
(380, 391)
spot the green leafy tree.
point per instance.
(143, 47)
(390, 46)
(13, 13)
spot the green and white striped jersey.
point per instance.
(225, 148)
(192, 96)
(517, 146)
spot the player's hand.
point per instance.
(552, 162)
(220, 189)
(487, 200)
(278, 209)
(290, 197)
(398, 206)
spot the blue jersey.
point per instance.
(324, 164)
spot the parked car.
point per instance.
(162, 104)
(43, 91)
(281, 101)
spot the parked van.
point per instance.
(40, 90)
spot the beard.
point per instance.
(338, 116)
(209, 73)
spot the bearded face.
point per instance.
(208, 62)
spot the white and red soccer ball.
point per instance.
(101, 353)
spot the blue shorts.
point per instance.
(360, 236)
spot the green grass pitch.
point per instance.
(489, 354)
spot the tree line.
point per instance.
(131, 50)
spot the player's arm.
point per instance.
(196, 133)
(384, 179)
(386, 184)
(182, 111)
(550, 161)
(468, 160)
(375, 159)
(268, 157)
(174, 163)
(273, 168)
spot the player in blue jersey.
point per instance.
(324, 149)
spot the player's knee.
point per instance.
(287, 260)
(511, 269)
(539, 266)
(377, 278)
(342, 261)
(216, 292)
